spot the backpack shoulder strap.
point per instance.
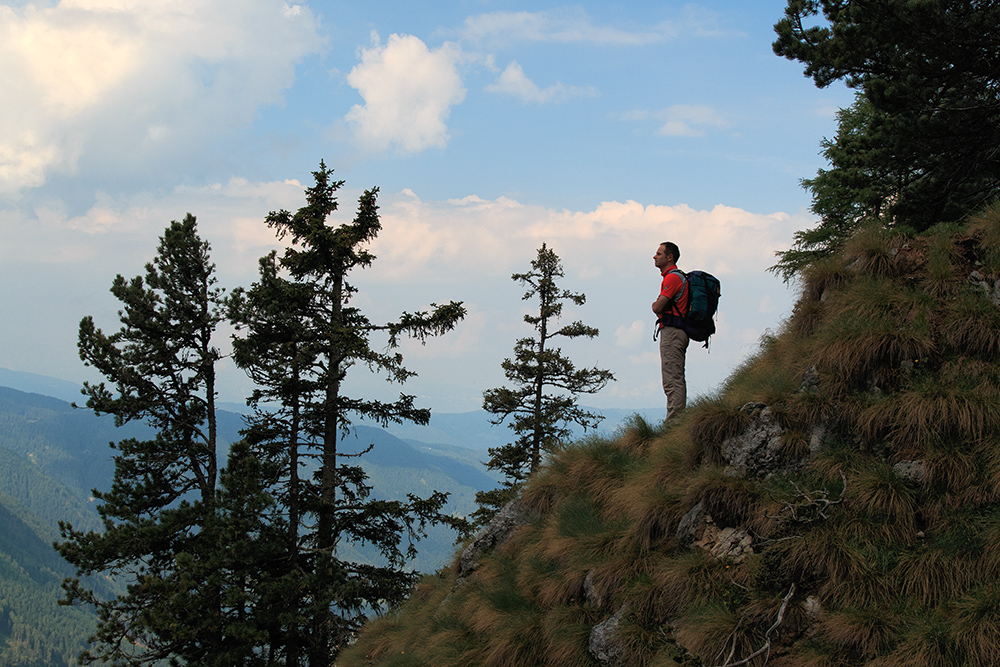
(680, 292)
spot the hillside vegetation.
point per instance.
(836, 503)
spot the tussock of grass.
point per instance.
(863, 632)
(986, 227)
(819, 277)
(892, 355)
(714, 421)
(871, 251)
(705, 631)
(974, 325)
(883, 499)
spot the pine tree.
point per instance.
(161, 518)
(539, 417)
(921, 143)
(302, 337)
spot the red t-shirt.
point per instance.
(671, 285)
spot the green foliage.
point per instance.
(546, 383)
(160, 519)
(919, 144)
(307, 595)
(51, 456)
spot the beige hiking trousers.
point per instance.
(673, 348)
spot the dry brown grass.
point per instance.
(824, 554)
(770, 376)
(977, 627)
(712, 422)
(656, 512)
(822, 276)
(730, 500)
(874, 251)
(565, 632)
(859, 349)
(599, 467)
(885, 502)
(864, 633)
(931, 576)
(807, 316)
(973, 325)
(932, 413)
(926, 642)
(707, 630)
(986, 226)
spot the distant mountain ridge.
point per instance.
(470, 430)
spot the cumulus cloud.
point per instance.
(686, 120)
(408, 90)
(463, 249)
(514, 82)
(561, 26)
(135, 78)
(631, 335)
(614, 241)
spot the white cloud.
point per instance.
(514, 82)
(614, 239)
(631, 335)
(133, 79)
(685, 120)
(408, 91)
(429, 251)
(566, 27)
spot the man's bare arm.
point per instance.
(661, 306)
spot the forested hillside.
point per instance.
(50, 456)
(836, 503)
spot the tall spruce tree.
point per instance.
(302, 337)
(161, 518)
(542, 402)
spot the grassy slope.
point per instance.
(863, 565)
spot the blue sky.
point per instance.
(490, 128)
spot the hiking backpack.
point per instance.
(703, 301)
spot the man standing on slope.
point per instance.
(668, 308)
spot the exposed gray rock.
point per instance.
(911, 471)
(810, 380)
(697, 528)
(493, 535)
(590, 591)
(691, 523)
(989, 284)
(813, 609)
(816, 436)
(605, 640)
(733, 544)
(756, 451)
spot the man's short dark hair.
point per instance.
(671, 249)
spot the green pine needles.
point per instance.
(542, 400)
(249, 564)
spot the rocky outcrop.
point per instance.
(989, 284)
(605, 644)
(698, 529)
(756, 452)
(691, 524)
(911, 471)
(731, 544)
(496, 533)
